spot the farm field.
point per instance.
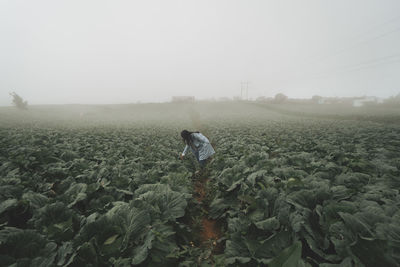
(104, 186)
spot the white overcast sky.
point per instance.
(81, 51)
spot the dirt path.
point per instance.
(210, 230)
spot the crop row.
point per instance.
(287, 192)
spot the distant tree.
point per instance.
(261, 99)
(393, 100)
(19, 101)
(396, 98)
(280, 98)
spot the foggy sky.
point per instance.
(70, 51)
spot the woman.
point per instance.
(200, 146)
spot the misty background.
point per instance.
(110, 52)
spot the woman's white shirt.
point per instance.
(201, 144)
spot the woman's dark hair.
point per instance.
(187, 136)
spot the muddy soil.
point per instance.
(210, 229)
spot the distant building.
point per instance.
(335, 100)
(183, 99)
(224, 99)
(261, 99)
(298, 100)
(366, 100)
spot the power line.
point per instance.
(375, 65)
(362, 65)
(367, 41)
(370, 62)
(371, 29)
(337, 52)
(362, 42)
(354, 46)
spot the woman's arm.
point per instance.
(185, 150)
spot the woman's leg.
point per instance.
(202, 163)
(196, 154)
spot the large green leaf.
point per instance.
(236, 251)
(373, 252)
(218, 206)
(36, 200)
(65, 252)
(141, 252)
(269, 224)
(289, 257)
(132, 220)
(27, 244)
(356, 225)
(8, 204)
(76, 193)
(347, 262)
(165, 202)
(47, 257)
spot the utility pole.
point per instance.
(244, 87)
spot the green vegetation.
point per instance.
(103, 185)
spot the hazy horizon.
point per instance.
(100, 52)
